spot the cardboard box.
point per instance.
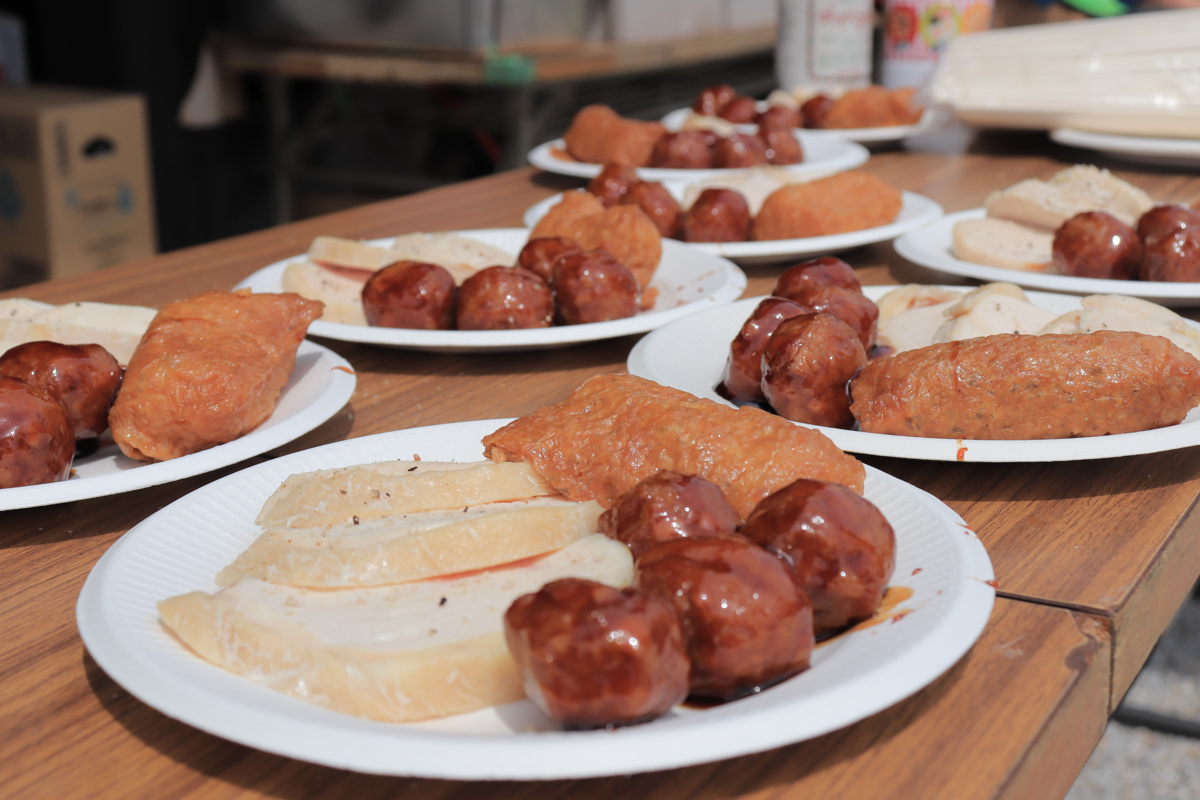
(75, 190)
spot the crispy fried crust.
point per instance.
(847, 201)
(599, 135)
(1019, 386)
(616, 430)
(208, 370)
(624, 231)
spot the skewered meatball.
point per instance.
(37, 442)
(410, 294)
(851, 307)
(718, 215)
(806, 365)
(739, 150)
(662, 209)
(742, 380)
(612, 183)
(841, 546)
(593, 656)
(538, 255)
(746, 619)
(503, 298)
(668, 506)
(83, 377)
(1170, 237)
(781, 146)
(739, 110)
(823, 271)
(593, 286)
(1096, 244)
(683, 150)
(713, 99)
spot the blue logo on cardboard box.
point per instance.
(100, 198)
(10, 197)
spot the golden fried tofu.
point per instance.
(624, 231)
(872, 107)
(599, 135)
(563, 217)
(208, 370)
(847, 201)
(616, 430)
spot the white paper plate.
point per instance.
(932, 246)
(182, 547)
(823, 155)
(687, 281)
(691, 354)
(1153, 150)
(916, 212)
(320, 385)
(878, 135)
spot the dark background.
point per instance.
(351, 144)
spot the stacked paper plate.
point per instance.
(1137, 75)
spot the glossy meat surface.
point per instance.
(1019, 386)
(616, 430)
(37, 444)
(208, 370)
(668, 506)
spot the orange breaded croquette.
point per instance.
(599, 135)
(624, 231)
(872, 107)
(847, 201)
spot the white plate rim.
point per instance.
(338, 740)
(841, 154)
(646, 357)
(1186, 151)
(916, 212)
(274, 432)
(930, 247)
(883, 133)
(732, 284)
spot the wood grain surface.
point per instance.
(1091, 558)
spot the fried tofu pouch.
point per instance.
(1022, 386)
(873, 107)
(847, 201)
(616, 430)
(624, 231)
(599, 135)
(208, 370)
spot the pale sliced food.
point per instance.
(1116, 312)
(989, 310)
(1048, 204)
(350, 253)
(461, 256)
(1003, 243)
(341, 294)
(395, 653)
(414, 546)
(374, 491)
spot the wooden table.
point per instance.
(1091, 558)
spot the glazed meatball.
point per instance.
(1170, 236)
(718, 215)
(851, 307)
(592, 656)
(503, 298)
(668, 506)
(538, 255)
(1096, 244)
(660, 206)
(739, 110)
(410, 294)
(683, 150)
(38, 441)
(738, 151)
(742, 379)
(823, 271)
(781, 117)
(782, 147)
(612, 183)
(815, 109)
(806, 366)
(841, 546)
(713, 99)
(746, 619)
(593, 286)
(83, 377)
